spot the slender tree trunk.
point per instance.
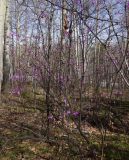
(48, 72)
(6, 61)
(3, 9)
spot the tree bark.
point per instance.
(3, 31)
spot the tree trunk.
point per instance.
(3, 31)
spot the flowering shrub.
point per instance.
(18, 80)
(16, 91)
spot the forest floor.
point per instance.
(21, 137)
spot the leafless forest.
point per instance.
(64, 80)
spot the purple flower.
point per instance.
(50, 117)
(60, 117)
(65, 102)
(16, 91)
(68, 112)
(17, 77)
(75, 114)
